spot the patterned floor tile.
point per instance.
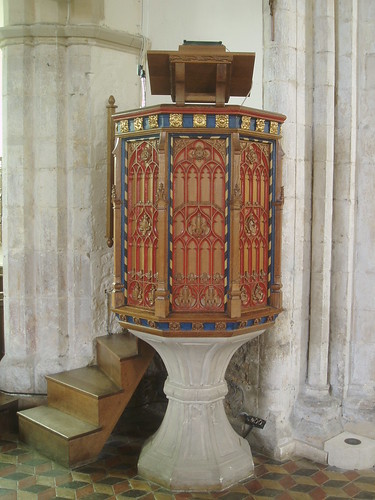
(17, 480)
(75, 489)
(26, 475)
(36, 492)
(6, 494)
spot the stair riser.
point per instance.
(109, 363)
(44, 441)
(74, 402)
(69, 453)
(132, 370)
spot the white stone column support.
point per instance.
(344, 196)
(322, 194)
(195, 447)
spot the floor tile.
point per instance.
(27, 475)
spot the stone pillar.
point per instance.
(344, 193)
(322, 193)
(60, 64)
(316, 414)
(287, 89)
(359, 400)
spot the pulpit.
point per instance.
(197, 202)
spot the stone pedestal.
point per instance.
(196, 448)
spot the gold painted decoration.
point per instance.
(260, 125)
(138, 123)
(151, 295)
(245, 122)
(199, 121)
(258, 294)
(146, 153)
(251, 225)
(222, 121)
(211, 299)
(199, 152)
(161, 195)
(124, 126)
(197, 326)
(175, 120)
(185, 299)
(145, 225)
(153, 121)
(137, 294)
(198, 226)
(274, 128)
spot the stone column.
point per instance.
(60, 64)
(344, 194)
(322, 193)
(359, 393)
(287, 89)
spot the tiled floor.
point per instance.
(24, 474)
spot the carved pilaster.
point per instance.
(118, 298)
(276, 294)
(162, 292)
(234, 299)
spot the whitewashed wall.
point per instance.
(167, 23)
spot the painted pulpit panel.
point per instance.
(199, 201)
(141, 215)
(255, 175)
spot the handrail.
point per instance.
(110, 168)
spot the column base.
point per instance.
(196, 448)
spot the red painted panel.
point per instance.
(198, 224)
(254, 217)
(142, 217)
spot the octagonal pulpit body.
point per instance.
(197, 219)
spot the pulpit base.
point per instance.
(196, 448)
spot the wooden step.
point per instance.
(77, 392)
(85, 404)
(63, 438)
(113, 350)
(8, 413)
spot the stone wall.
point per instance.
(61, 62)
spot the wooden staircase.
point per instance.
(85, 404)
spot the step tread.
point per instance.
(89, 379)
(7, 401)
(58, 422)
(124, 345)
